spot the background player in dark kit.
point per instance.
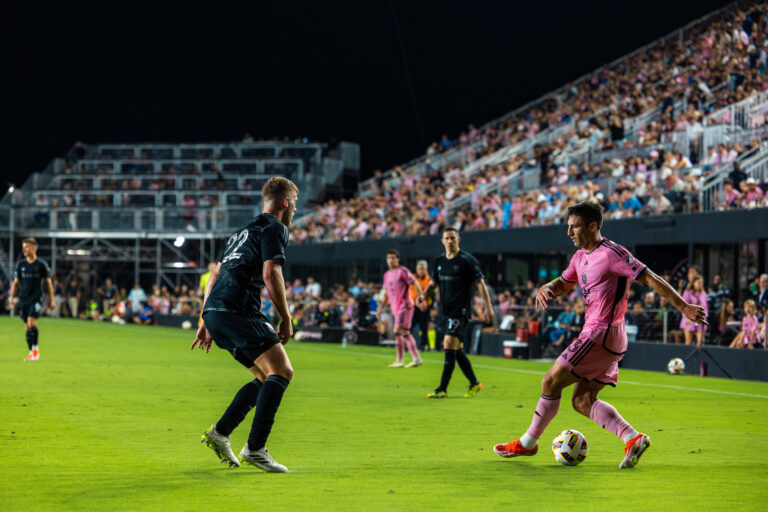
(28, 277)
(253, 259)
(456, 273)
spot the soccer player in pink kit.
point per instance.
(603, 269)
(397, 282)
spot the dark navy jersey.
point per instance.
(456, 278)
(31, 276)
(239, 283)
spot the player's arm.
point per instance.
(426, 292)
(273, 278)
(49, 288)
(490, 316)
(692, 312)
(384, 302)
(203, 337)
(14, 289)
(552, 289)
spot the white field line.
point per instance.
(533, 372)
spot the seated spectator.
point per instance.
(750, 336)
(725, 324)
(672, 317)
(640, 318)
(145, 315)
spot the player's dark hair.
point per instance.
(395, 252)
(30, 241)
(278, 188)
(451, 228)
(588, 211)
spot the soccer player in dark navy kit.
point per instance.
(28, 279)
(457, 273)
(253, 259)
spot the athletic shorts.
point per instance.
(245, 337)
(404, 319)
(30, 309)
(596, 353)
(455, 326)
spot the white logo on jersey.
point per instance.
(269, 326)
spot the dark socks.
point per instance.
(466, 367)
(32, 337)
(244, 401)
(448, 366)
(266, 407)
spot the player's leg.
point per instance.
(399, 349)
(585, 401)
(466, 369)
(451, 345)
(557, 378)
(33, 335)
(405, 324)
(276, 366)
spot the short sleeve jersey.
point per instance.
(239, 283)
(31, 276)
(397, 283)
(455, 278)
(603, 275)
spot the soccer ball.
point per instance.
(186, 324)
(570, 447)
(676, 365)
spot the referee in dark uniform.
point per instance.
(457, 273)
(252, 259)
(30, 275)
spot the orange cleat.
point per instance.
(634, 450)
(514, 449)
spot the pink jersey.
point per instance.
(397, 284)
(603, 275)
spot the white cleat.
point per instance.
(262, 460)
(221, 447)
(397, 364)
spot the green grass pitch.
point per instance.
(110, 418)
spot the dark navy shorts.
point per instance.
(245, 337)
(30, 309)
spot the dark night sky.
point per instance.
(120, 72)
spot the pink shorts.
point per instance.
(404, 319)
(596, 353)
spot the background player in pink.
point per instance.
(397, 282)
(603, 269)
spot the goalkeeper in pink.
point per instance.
(603, 269)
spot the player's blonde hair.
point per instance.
(30, 241)
(278, 188)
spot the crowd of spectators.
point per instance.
(355, 305)
(110, 302)
(720, 62)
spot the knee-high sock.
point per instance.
(399, 345)
(28, 335)
(33, 334)
(606, 416)
(466, 367)
(266, 407)
(244, 401)
(411, 343)
(545, 412)
(448, 366)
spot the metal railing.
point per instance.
(293, 168)
(135, 220)
(712, 193)
(310, 151)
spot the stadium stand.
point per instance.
(677, 127)
(675, 116)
